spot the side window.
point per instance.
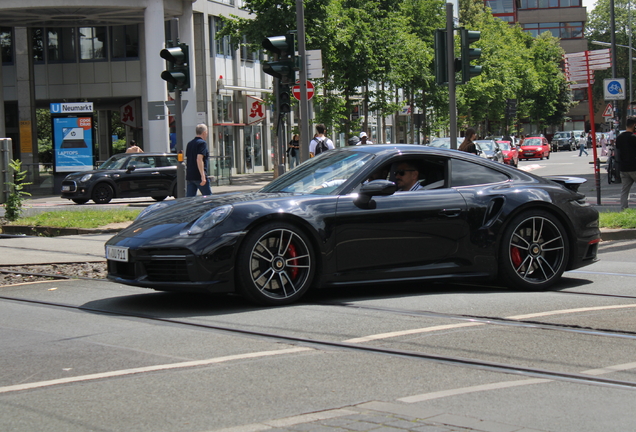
(465, 173)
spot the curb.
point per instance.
(44, 231)
(617, 234)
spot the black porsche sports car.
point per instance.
(337, 220)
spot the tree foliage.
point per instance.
(378, 54)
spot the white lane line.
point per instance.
(111, 374)
(455, 326)
(507, 384)
(290, 421)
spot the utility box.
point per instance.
(6, 148)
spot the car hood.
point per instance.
(170, 217)
(80, 174)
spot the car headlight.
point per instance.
(209, 219)
(85, 178)
(153, 208)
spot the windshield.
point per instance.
(486, 145)
(440, 143)
(532, 142)
(321, 175)
(504, 145)
(562, 135)
(115, 162)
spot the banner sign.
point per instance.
(73, 144)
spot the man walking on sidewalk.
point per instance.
(197, 155)
(626, 159)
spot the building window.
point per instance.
(569, 30)
(579, 94)
(92, 43)
(247, 54)
(223, 45)
(545, 4)
(227, 2)
(60, 44)
(501, 6)
(224, 104)
(124, 42)
(6, 44)
(37, 35)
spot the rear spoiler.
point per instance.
(571, 183)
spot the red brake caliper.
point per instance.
(515, 255)
(292, 253)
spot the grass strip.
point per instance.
(79, 218)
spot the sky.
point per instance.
(589, 4)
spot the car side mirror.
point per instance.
(374, 188)
(130, 169)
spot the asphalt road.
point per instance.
(84, 355)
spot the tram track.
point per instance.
(472, 363)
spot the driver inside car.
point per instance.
(407, 177)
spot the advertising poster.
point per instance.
(73, 144)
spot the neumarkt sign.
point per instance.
(71, 108)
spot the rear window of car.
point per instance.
(464, 173)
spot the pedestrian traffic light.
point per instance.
(282, 48)
(285, 99)
(178, 73)
(469, 54)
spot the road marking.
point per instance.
(155, 368)
(290, 421)
(507, 384)
(461, 325)
(528, 168)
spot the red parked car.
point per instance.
(535, 148)
(510, 153)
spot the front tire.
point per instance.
(102, 193)
(276, 264)
(534, 251)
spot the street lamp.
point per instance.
(631, 92)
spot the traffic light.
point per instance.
(178, 73)
(511, 107)
(285, 99)
(441, 59)
(284, 53)
(441, 64)
(469, 54)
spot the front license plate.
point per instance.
(528, 154)
(117, 253)
(66, 188)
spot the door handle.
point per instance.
(450, 212)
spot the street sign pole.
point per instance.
(304, 104)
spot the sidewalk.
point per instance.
(39, 204)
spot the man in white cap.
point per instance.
(364, 139)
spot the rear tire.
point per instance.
(534, 251)
(276, 264)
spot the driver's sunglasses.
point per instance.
(401, 172)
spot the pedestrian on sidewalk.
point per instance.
(626, 159)
(134, 148)
(197, 155)
(603, 145)
(582, 144)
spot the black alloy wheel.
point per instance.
(534, 251)
(276, 264)
(102, 193)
